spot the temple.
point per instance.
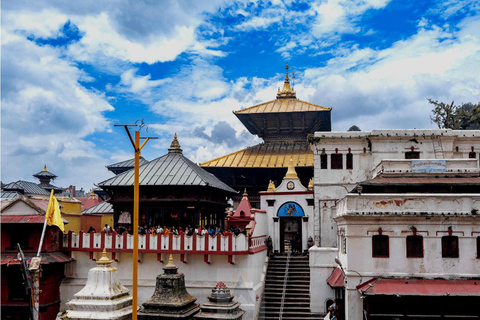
(283, 124)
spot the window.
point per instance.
(450, 247)
(349, 160)
(380, 246)
(414, 247)
(472, 155)
(323, 161)
(478, 247)
(16, 288)
(344, 244)
(337, 161)
(412, 155)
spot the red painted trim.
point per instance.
(159, 257)
(182, 258)
(92, 237)
(182, 244)
(194, 243)
(70, 233)
(114, 241)
(230, 242)
(170, 240)
(230, 259)
(159, 242)
(80, 240)
(114, 256)
(259, 249)
(206, 258)
(206, 241)
(103, 241)
(219, 242)
(147, 241)
(91, 256)
(125, 242)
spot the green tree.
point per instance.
(451, 116)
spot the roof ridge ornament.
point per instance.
(291, 172)
(287, 92)
(245, 194)
(271, 186)
(175, 146)
(45, 167)
(104, 259)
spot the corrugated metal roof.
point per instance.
(127, 163)
(47, 258)
(27, 187)
(283, 105)
(172, 169)
(382, 180)
(270, 154)
(337, 279)
(9, 195)
(420, 287)
(103, 207)
(23, 219)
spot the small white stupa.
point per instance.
(103, 297)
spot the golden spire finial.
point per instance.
(287, 92)
(175, 145)
(104, 259)
(271, 186)
(310, 184)
(245, 194)
(170, 264)
(92, 194)
(45, 168)
(291, 172)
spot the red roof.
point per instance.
(23, 219)
(420, 287)
(47, 258)
(88, 202)
(337, 279)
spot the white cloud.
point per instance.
(389, 87)
(46, 116)
(138, 84)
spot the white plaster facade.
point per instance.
(352, 219)
(290, 190)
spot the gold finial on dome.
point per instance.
(291, 173)
(170, 264)
(92, 194)
(175, 146)
(271, 186)
(287, 92)
(310, 184)
(245, 194)
(45, 168)
(104, 259)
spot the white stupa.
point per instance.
(103, 297)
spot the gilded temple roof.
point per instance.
(283, 105)
(271, 154)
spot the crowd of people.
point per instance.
(189, 231)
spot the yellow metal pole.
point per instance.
(135, 225)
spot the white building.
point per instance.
(397, 207)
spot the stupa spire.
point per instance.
(291, 172)
(287, 92)
(175, 146)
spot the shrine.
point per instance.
(220, 305)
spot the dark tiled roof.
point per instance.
(127, 163)
(44, 173)
(103, 207)
(27, 187)
(172, 169)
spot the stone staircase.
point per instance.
(287, 290)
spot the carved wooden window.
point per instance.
(336, 161)
(323, 161)
(450, 247)
(414, 247)
(412, 155)
(380, 246)
(349, 160)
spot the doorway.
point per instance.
(290, 228)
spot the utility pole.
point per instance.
(136, 188)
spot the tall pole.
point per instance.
(136, 191)
(136, 188)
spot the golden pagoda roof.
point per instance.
(283, 105)
(274, 154)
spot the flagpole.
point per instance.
(41, 238)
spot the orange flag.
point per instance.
(53, 214)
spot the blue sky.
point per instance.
(73, 69)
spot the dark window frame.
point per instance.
(323, 161)
(478, 247)
(412, 155)
(380, 246)
(472, 155)
(450, 247)
(336, 161)
(349, 164)
(414, 245)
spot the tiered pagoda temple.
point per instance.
(283, 124)
(174, 191)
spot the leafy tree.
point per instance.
(465, 116)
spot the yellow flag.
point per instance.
(53, 214)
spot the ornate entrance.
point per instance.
(290, 214)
